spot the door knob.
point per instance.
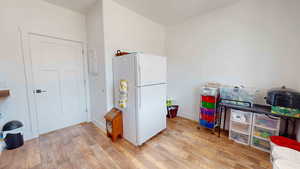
(39, 91)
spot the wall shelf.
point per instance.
(4, 93)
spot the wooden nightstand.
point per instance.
(114, 124)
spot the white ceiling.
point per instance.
(81, 6)
(166, 12)
(170, 12)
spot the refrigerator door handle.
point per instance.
(139, 100)
(139, 74)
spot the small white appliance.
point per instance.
(144, 113)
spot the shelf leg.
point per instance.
(224, 122)
(286, 128)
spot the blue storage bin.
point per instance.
(206, 124)
(202, 122)
(210, 125)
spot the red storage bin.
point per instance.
(209, 99)
(202, 116)
(285, 142)
(207, 116)
(210, 119)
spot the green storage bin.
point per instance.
(286, 111)
(208, 105)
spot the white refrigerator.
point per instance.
(144, 115)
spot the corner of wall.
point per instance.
(100, 125)
(187, 116)
(98, 86)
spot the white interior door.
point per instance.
(59, 85)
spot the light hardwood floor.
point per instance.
(180, 146)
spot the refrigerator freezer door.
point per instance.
(151, 114)
(152, 70)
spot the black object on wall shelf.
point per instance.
(4, 93)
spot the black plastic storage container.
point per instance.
(13, 134)
(283, 97)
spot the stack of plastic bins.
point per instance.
(240, 126)
(263, 127)
(208, 116)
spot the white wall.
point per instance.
(139, 34)
(36, 16)
(95, 40)
(111, 27)
(125, 29)
(254, 43)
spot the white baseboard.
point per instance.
(187, 116)
(30, 136)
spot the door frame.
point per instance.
(24, 35)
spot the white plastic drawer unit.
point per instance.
(260, 144)
(253, 129)
(264, 121)
(239, 137)
(263, 127)
(241, 116)
(241, 127)
(264, 133)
